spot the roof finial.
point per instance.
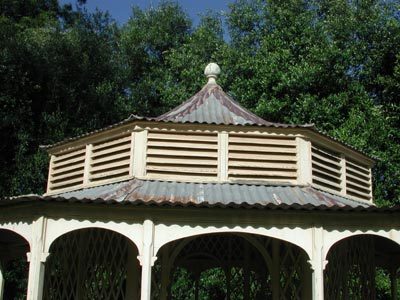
(212, 71)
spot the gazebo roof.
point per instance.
(211, 105)
(224, 194)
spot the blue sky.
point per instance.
(121, 9)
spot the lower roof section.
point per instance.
(204, 195)
(210, 193)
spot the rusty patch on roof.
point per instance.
(223, 194)
(213, 106)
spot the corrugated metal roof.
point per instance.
(211, 105)
(202, 194)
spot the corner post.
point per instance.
(37, 258)
(147, 259)
(318, 264)
(304, 161)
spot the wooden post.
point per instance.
(223, 156)
(139, 153)
(2, 270)
(304, 161)
(86, 170)
(317, 264)
(36, 259)
(343, 175)
(147, 259)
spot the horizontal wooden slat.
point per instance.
(113, 164)
(55, 172)
(77, 160)
(328, 168)
(358, 186)
(326, 153)
(72, 181)
(112, 143)
(261, 165)
(358, 173)
(265, 149)
(108, 174)
(261, 141)
(119, 156)
(327, 182)
(351, 178)
(59, 158)
(66, 175)
(184, 137)
(359, 167)
(269, 173)
(325, 175)
(180, 153)
(180, 144)
(123, 147)
(361, 194)
(261, 156)
(180, 177)
(181, 160)
(323, 160)
(186, 169)
(326, 188)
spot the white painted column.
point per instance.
(318, 264)
(2, 270)
(36, 258)
(147, 259)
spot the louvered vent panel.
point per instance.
(358, 180)
(67, 170)
(110, 160)
(262, 158)
(326, 169)
(181, 155)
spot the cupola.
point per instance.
(211, 139)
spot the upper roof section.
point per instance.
(211, 105)
(210, 139)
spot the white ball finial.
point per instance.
(212, 71)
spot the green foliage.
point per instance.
(16, 280)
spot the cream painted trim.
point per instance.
(304, 161)
(140, 153)
(86, 170)
(223, 156)
(165, 234)
(60, 227)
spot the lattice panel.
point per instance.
(262, 157)
(350, 273)
(66, 169)
(180, 155)
(358, 180)
(326, 169)
(87, 264)
(110, 160)
(291, 272)
(228, 267)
